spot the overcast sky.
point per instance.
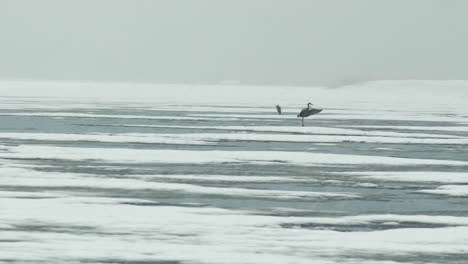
(298, 42)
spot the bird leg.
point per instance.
(302, 121)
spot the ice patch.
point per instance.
(62, 180)
(368, 116)
(108, 138)
(86, 115)
(223, 109)
(317, 138)
(384, 218)
(333, 181)
(367, 185)
(301, 130)
(414, 176)
(18, 194)
(210, 139)
(207, 138)
(425, 128)
(120, 155)
(392, 149)
(450, 190)
(228, 178)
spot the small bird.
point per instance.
(308, 111)
(278, 109)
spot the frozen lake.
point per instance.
(92, 181)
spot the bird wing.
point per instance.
(302, 113)
(314, 111)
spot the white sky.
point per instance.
(297, 42)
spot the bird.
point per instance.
(308, 111)
(278, 109)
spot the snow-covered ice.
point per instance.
(96, 173)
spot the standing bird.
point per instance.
(278, 109)
(308, 111)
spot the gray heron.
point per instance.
(308, 111)
(278, 109)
